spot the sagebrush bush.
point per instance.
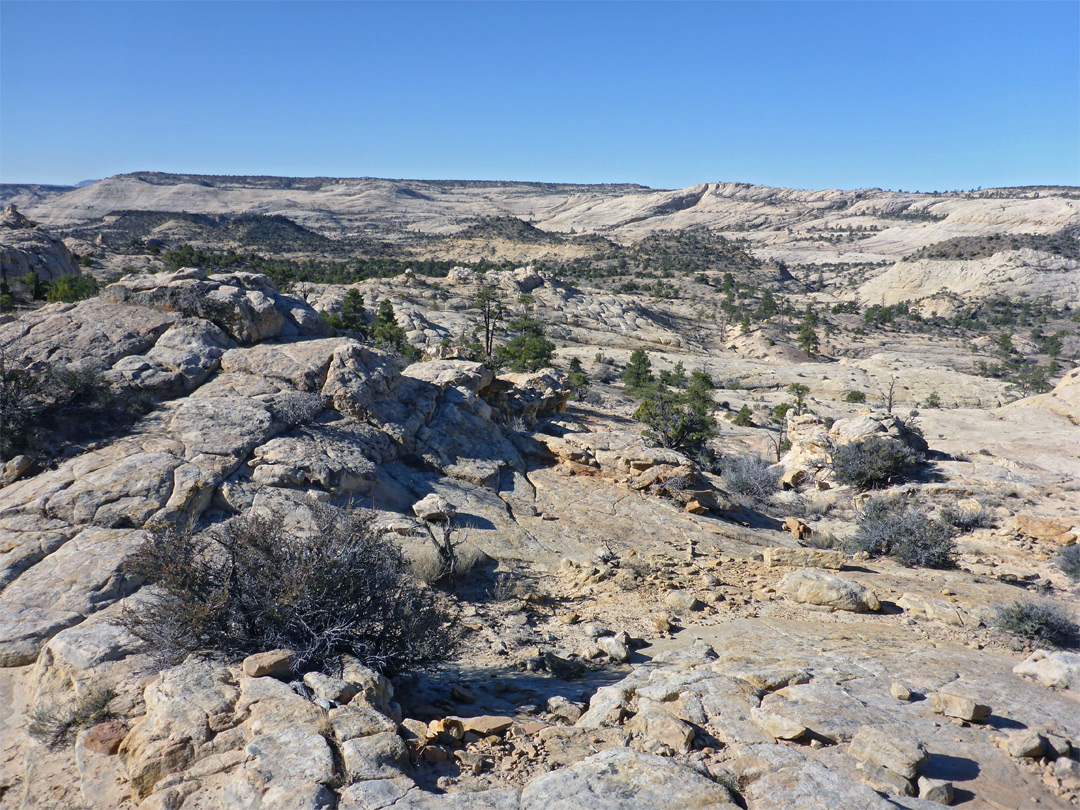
(255, 583)
(967, 519)
(874, 462)
(1068, 560)
(908, 535)
(750, 477)
(1041, 622)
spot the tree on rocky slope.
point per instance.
(638, 372)
(387, 332)
(489, 309)
(528, 349)
(679, 421)
(353, 315)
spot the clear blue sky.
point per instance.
(930, 95)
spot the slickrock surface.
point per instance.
(637, 634)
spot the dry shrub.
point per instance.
(252, 584)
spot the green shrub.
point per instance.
(750, 477)
(1068, 560)
(676, 421)
(579, 380)
(1040, 622)
(908, 535)
(638, 372)
(255, 583)
(70, 289)
(855, 396)
(874, 462)
(744, 418)
(932, 400)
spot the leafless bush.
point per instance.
(1068, 560)
(750, 477)
(904, 533)
(251, 584)
(967, 519)
(295, 408)
(1044, 623)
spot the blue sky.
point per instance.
(911, 95)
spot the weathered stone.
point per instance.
(797, 528)
(486, 724)
(659, 726)
(1046, 530)
(433, 507)
(273, 663)
(1055, 669)
(804, 558)
(780, 727)
(886, 781)
(606, 707)
(815, 587)
(936, 790)
(359, 720)
(379, 756)
(105, 738)
(14, 468)
(811, 786)
(622, 779)
(891, 748)
(614, 648)
(900, 691)
(567, 709)
(292, 753)
(1024, 744)
(332, 689)
(682, 601)
(937, 609)
(959, 706)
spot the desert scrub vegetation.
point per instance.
(1039, 622)
(43, 403)
(1068, 560)
(903, 532)
(56, 725)
(321, 587)
(749, 477)
(967, 519)
(874, 462)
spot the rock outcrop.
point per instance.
(28, 250)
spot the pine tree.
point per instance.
(638, 372)
(528, 350)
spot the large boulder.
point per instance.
(815, 587)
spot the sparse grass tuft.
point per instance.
(55, 726)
